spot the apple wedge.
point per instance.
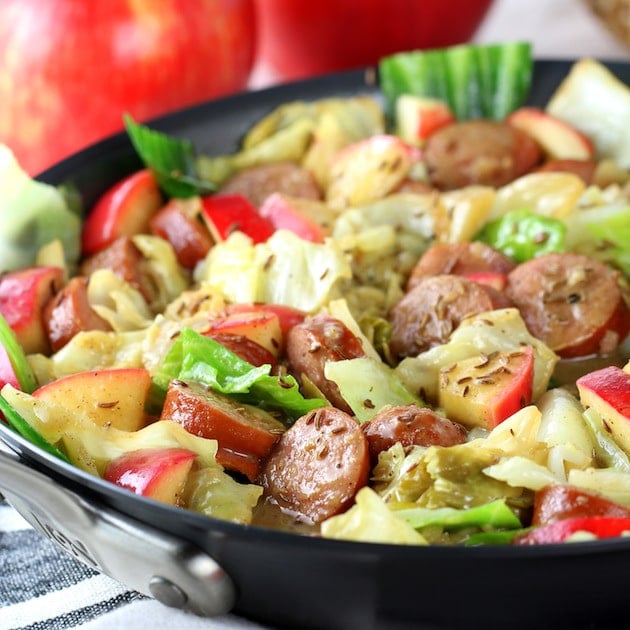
(260, 326)
(23, 295)
(607, 391)
(483, 391)
(7, 372)
(309, 219)
(417, 117)
(123, 210)
(111, 397)
(558, 139)
(368, 170)
(156, 473)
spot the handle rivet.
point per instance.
(167, 593)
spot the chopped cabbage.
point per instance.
(284, 270)
(33, 214)
(117, 302)
(564, 432)
(611, 483)
(502, 330)
(89, 446)
(521, 472)
(370, 520)
(594, 101)
(90, 350)
(603, 232)
(606, 450)
(368, 385)
(169, 279)
(211, 492)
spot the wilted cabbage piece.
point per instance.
(117, 302)
(90, 446)
(90, 350)
(370, 520)
(309, 132)
(283, 270)
(502, 330)
(367, 385)
(32, 214)
(169, 279)
(211, 492)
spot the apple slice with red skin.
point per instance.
(483, 391)
(607, 391)
(260, 326)
(557, 139)
(7, 373)
(245, 348)
(297, 216)
(178, 222)
(245, 435)
(112, 397)
(123, 210)
(23, 295)
(156, 473)
(418, 117)
(227, 213)
(288, 316)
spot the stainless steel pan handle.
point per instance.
(150, 562)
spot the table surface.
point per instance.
(42, 588)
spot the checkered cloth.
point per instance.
(43, 588)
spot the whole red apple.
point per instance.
(299, 38)
(69, 69)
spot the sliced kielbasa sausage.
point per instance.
(69, 312)
(428, 314)
(245, 435)
(180, 226)
(314, 342)
(459, 259)
(571, 302)
(485, 152)
(318, 465)
(258, 182)
(410, 425)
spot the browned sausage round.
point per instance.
(315, 341)
(428, 314)
(318, 465)
(571, 302)
(410, 425)
(69, 312)
(459, 259)
(482, 152)
(258, 182)
(584, 169)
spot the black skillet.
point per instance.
(286, 580)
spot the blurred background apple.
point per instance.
(69, 69)
(299, 38)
